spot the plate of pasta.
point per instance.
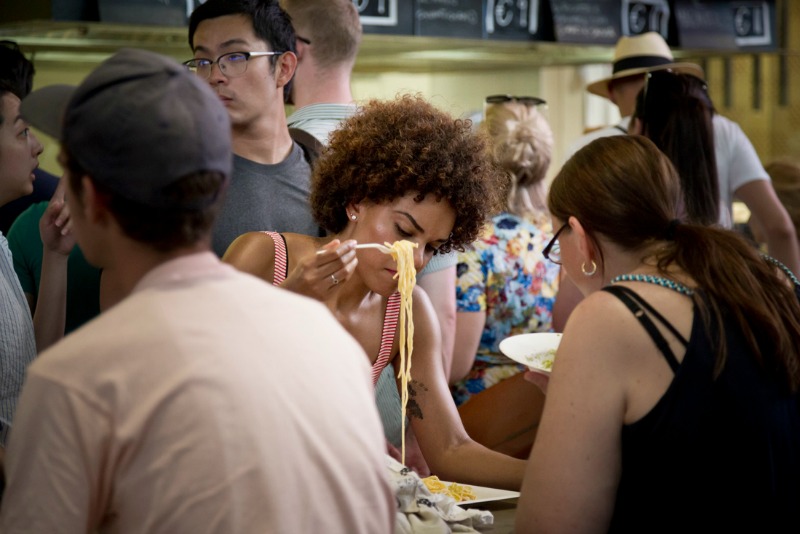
(537, 350)
(467, 494)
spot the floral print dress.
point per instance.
(504, 274)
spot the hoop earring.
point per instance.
(589, 273)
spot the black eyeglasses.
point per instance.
(552, 251)
(232, 64)
(526, 100)
(302, 39)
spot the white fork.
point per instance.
(382, 248)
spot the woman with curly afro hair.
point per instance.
(396, 170)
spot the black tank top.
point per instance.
(713, 455)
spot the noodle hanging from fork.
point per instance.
(403, 254)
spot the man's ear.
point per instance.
(284, 68)
(95, 203)
(635, 127)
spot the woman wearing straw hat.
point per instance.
(739, 169)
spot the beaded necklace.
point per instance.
(783, 268)
(658, 280)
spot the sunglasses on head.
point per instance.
(526, 100)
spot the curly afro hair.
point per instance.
(391, 148)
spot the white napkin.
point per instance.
(421, 512)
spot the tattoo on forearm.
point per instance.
(413, 408)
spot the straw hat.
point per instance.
(640, 54)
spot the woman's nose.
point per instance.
(419, 258)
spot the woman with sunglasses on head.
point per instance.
(673, 401)
(505, 286)
(714, 159)
(396, 170)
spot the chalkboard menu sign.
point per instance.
(754, 24)
(156, 12)
(394, 17)
(705, 24)
(449, 18)
(731, 25)
(518, 20)
(587, 21)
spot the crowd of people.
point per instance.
(192, 342)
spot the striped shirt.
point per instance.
(17, 341)
(321, 119)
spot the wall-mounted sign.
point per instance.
(587, 21)
(155, 12)
(641, 16)
(728, 25)
(518, 20)
(386, 16)
(753, 23)
(449, 18)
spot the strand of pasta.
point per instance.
(403, 254)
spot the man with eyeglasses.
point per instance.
(739, 168)
(245, 49)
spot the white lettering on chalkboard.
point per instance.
(503, 13)
(640, 16)
(751, 23)
(377, 12)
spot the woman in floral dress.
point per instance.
(505, 285)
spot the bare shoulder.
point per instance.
(253, 253)
(599, 324)
(299, 245)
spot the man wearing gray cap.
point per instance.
(171, 412)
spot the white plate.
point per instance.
(532, 350)
(483, 494)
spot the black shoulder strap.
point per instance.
(635, 303)
(311, 146)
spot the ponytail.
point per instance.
(735, 278)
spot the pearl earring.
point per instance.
(353, 217)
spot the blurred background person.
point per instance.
(16, 76)
(785, 175)
(328, 35)
(739, 169)
(674, 396)
(505, 286)
(675, 112)
(21, 335)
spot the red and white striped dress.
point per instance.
(389, 319)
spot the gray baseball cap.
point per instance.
(137, 123)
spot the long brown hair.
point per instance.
(677, 115)
(624, 188)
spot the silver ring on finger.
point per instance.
(334, 279)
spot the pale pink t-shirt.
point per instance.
(207, 401)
